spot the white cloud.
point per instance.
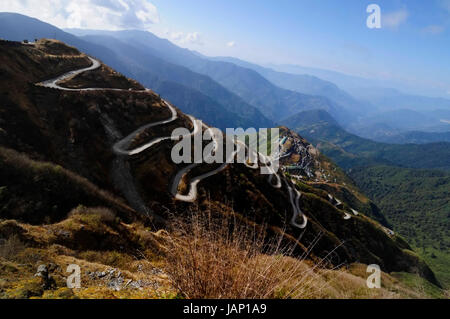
(394, 19)
(194, 38)
(186, 38)
(231, 44)
(92, 14)
(176, 36)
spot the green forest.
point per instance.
(417, 203)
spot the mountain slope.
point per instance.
(349, 150)
(156, 73)
(391, 99)
(417, 137)
(417, 202)
(306, 84)
(275, 103)
(382, 125)
(303, 162)
(53, 138)
(224, 109)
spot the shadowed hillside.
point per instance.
(66, 192)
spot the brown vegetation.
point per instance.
(104, 77)
(55, 155)
(210, 257)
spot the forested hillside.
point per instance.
(349, 150)
(417, 203)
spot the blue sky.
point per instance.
(413, 45)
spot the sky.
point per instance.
(412, 46)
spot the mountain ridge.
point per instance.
(349, 150)
(33, 28)
(75, 126)
(246, 83)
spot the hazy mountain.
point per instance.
(353, 83)
(274, 102)
(402, 119)
(393, 112)
(392, 121)
(349, 150)
(342, 80)
(417, 137)
(389, 99)
(226, 109)
(309, 118)
(66, 191)
(203, 97)
(389, 123)
(306, 84)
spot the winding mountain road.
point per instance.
(53, 83)
(121, 148)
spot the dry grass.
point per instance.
(37, 169)
(222, 258)
(10, 247)
(101, 214)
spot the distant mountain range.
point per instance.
(308, 84)
(349, 150)
(279, 95)
(86, 174)
(417, 137)
(384, 104)
(352, 83)
(210, 102)
(388, 99)
(228, 92)
(385, 126)
(61, 142)
(274, 102)
(402, 179)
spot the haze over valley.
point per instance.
(357, 174)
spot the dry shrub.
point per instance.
(210, 257)
(36, 169)
(10, 247)
(101, 214)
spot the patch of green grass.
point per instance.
(417, 204)
(25, 289)
(420, 285)
(439, 262)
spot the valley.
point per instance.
(408, 182)
(82, 148)
(417, 203)
(88, 175)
